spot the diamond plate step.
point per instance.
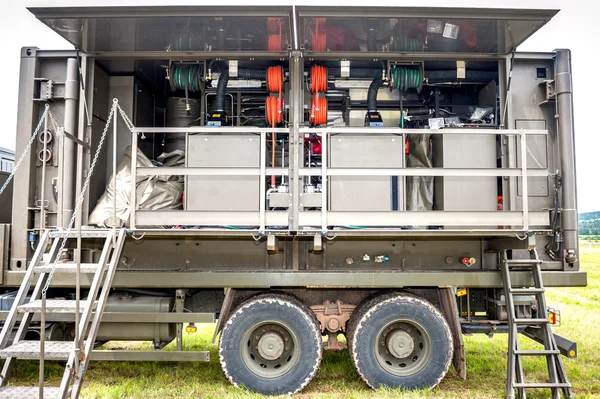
(28, 392)
(54, 350)
(91, 233)
(89, 268)
(53, 306)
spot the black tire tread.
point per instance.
(283, 299)
(370, 305)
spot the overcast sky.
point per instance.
(575, 27)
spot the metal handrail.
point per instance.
(324, 170)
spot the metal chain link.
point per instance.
(55, 125)
(126, 119)
(27, 148)
(81, 197)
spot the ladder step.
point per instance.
(53, 306)
(91, 233)
(88, 268)
(542, 385)
(525, 262)
(531, 321)
(527, 291)
(537, 352)
(53, 350)
(13, 392)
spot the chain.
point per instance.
(81, 197)
(126, 119)
(27, 148)
(55, 125)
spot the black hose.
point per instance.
(450, 76)
(260, 74)
(357, 73)
(372, 94)
(221, 87)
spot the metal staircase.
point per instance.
(515, 377)
(87, 314)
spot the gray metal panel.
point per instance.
(471, 193)
(537, 157)
(225, 193)
(362, 193)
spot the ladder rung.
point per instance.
(14, 392)
(538, 352)
(53, 306)
(527, 291)
(531, 321)
(542, 385)
(526, 262)
(53, 350)
(91, 233)
(89, 268)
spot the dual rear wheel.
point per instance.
(272, 344)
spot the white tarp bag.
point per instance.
(152, 192)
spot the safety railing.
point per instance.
(522, 219)
(323, 219)
(261, 218)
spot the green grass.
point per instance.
(486, 362)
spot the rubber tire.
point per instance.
(277, 307)
(376, 313)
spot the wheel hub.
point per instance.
(271, 346)
(400, 344)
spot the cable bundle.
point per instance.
(185, 77)
(403, 78)
(404, 43)
(319, 35)
(275, 38)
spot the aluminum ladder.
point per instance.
(515, 378)
(77, 352)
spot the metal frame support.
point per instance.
(179, 306)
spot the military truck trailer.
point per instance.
(401, 176)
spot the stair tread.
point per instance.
(538, 352)
(526, 290)
(531, 321)
(53, 306)
(53, 350)
(68, 268)
(542, 385)
(17, 392)
(86, 233)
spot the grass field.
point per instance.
(486, 363)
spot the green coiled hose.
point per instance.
(185, 77)
(404, 43)
(404, 78)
